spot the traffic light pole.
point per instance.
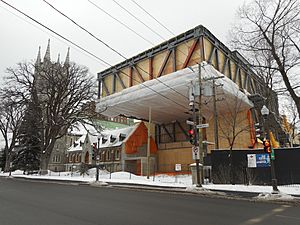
(273, 175)
(196, 145)
(97, 161)
(200, 137)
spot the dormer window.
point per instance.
(122, 137)
(104, 139)
(112, 138)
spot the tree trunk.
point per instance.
(231, 166)
(44, 164)
(7, 163)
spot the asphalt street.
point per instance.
(38, 203)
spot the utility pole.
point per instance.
(200, 135)
(216, 120)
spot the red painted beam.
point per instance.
(164, 63)
(190, 53)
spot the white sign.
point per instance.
(251, 160)
(204, 125)
(177, 167)
(195, 152)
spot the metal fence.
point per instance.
(235, 170)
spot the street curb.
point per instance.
(48, 180)
(239, 195)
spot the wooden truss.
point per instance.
(182, 51)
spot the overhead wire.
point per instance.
(135, 17)
(98, 39)
(153, 17)
(97, 6)
(66, 39)
(51, 30)
(119, 21)
(63, 41)
(139, 20)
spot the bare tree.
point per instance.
(234, 123)
(290, 120)
(60, 94)
(11, 114)
(268, 35)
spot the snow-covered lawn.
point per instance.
(179, 181)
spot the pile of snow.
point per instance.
(275, 196)
(203, 190)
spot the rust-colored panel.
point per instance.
(138, 138)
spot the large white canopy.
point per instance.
(168, 97)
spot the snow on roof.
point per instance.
(113, 138)
(77, 146)
(107, 138)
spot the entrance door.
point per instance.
(87, 158)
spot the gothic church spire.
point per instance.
(38, 59)
(47, 54)
(67, 61)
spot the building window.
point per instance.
(56, 158)
(108, 155)
(117, 155)
(103, 156)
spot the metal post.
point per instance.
(200, 131)
(196, 145)
(97, 160)
(148, 145)
(273, 175)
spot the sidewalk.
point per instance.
(181, 183)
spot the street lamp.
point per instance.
(265, 113)
(98, 158)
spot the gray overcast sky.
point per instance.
(20, 37)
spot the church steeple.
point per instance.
(47, 54)
(38, 59)
(67, 61)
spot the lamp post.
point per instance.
(265, 113)
(98, 158)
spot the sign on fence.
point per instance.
(177, 167)
(258, 160)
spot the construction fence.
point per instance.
(236, 170)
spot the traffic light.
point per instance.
(258, 130)
(192, 136)
(94, 151)
(267, 146)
